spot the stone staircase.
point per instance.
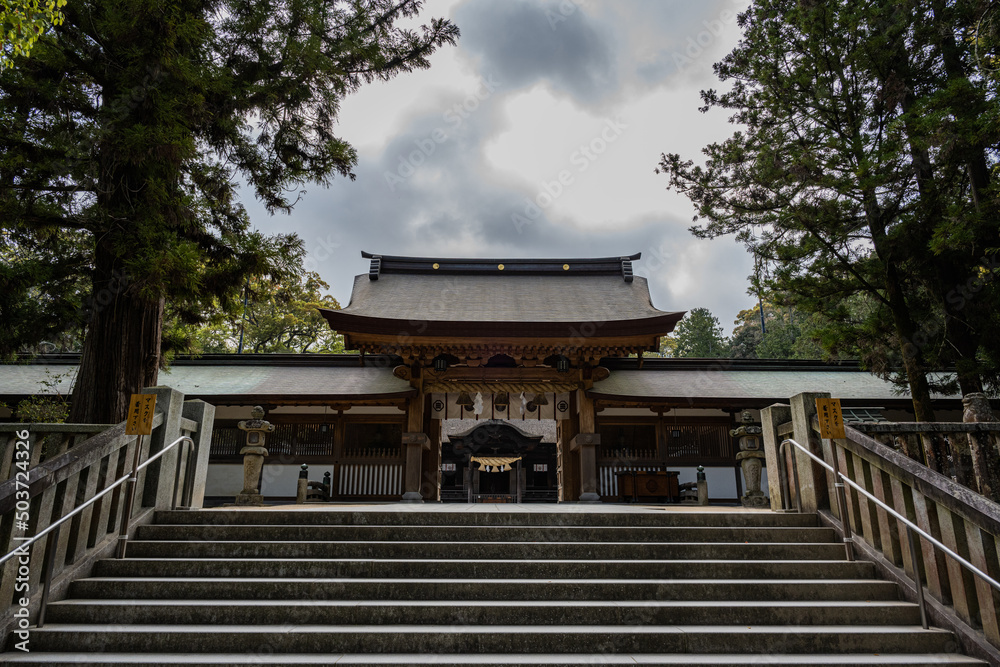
(485, 586)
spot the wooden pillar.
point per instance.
(415, 441)
(568, 460)
(430, 483)
(586, 443)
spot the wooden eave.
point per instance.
(573, 334)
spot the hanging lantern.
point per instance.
(464, 400)
(501, 398)
(540, 399)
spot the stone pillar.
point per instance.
(985, 461)
(772, 417)
(812, 477)
(414, 444)
(157, 480)
(702, 486)
(302, 489)
(204, 414)
(253, 456)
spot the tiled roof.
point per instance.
(501, 298)
(227, 380)
(328, 377)
(740, 384)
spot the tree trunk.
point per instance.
(121, 354)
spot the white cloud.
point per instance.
(558, 90)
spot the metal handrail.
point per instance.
(54, 528)
(910, 526)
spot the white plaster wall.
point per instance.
(224, 479)
(278, 479)
(281, 479)
(721, 481)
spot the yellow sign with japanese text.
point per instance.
(140, 414)
(831, 419)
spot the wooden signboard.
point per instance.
(831, 419)
(140, 414)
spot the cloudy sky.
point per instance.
(537, 136)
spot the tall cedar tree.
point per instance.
(700, 335)
(862, 175)
(131, 125)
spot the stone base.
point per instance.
(412, 497)
(589, 497)
(755, 499)
(249, 499)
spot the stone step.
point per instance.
(485, 569)
(610, 518)
(483, 533)
(510, 639)
(499, 588)
(103, 659)
(489, 612)
(478, 550)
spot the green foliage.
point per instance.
(44, 408)
(668, 346)
(786, 335)
(280, 316)
(699, 335)
(22, 22)
(124, 140)
(860, 178)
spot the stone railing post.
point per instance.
(771, 418)
(812, 478)
(302, 487)
(204, 414)
(157, 480)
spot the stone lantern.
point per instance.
(751, 458)
(253, 456)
